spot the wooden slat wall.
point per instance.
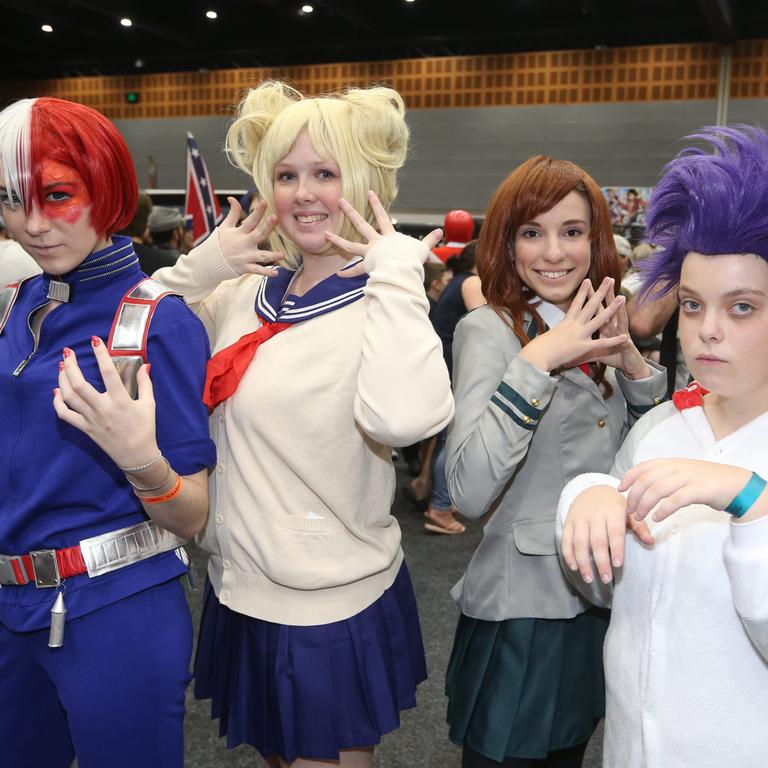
(644, 73)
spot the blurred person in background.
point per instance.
(150, 259)
(15, 262)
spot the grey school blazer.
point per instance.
(519, 435)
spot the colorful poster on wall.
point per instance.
(627, 207)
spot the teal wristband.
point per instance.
(747, 496)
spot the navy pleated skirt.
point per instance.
(526, 687)
(311, 691)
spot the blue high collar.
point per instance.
(115, 261)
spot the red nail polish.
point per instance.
(95, 340)
(67, 352)
(149, 368)
(61, 365)
(55, 390)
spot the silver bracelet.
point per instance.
(142, 467)
(154, 487)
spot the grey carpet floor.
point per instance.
(435, 562)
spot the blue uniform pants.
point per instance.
(113, 695)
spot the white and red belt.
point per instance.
(94, 556)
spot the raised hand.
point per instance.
(122, 427)
(240, 245)
(675, 483)
(570, 342)
(626, 357)
(370, 234)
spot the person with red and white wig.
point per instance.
(99, 488)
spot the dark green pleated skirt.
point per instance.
(525, 687)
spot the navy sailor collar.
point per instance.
(274, 304)
(117, 259)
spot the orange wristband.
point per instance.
(172, 494)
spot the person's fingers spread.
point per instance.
(433, 238)
(356, 249)
(581, 551)
(353, 271)
(233, 216)
(109, 374)
(66, 414)
(358, 221)
(616, 530)
(599, 542)
(380, 214)
(144, 383)
(577, 304)
(566, 546)
(251, 221)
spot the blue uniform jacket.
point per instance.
(56, 486)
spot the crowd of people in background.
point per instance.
(596, 403)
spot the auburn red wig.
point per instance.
(530, 190)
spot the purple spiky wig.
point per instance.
(711, 200)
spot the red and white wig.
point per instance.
(35, 130)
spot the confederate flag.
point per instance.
(201, 206)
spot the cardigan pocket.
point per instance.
(535, 536)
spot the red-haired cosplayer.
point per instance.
(99, 489)
(546, 381)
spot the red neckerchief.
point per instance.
(227, 366)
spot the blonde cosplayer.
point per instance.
(362, 130)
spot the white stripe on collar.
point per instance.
(549, 313)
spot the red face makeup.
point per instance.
(63, 194)
(57, 231)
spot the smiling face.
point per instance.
(552, 252)
(57, 234)
(723, 323)
(307, 188)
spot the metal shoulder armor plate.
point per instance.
(8, 295)
(127, 343)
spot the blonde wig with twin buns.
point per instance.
(362, 130)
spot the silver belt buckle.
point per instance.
(45, 567)
(7, 574)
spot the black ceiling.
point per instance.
(174, 35)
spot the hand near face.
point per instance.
(595, 528)
(570, 342)
(240, 244)
(626, 356)
(676, 483)
(123, 428)
(371, 235)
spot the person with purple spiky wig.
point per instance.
(686, 654)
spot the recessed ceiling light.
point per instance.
(126, 22)
(307, 9)
(47, 28)
(409, 1)
(212, 14)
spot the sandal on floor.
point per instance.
(452, 527)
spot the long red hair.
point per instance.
(530, 190)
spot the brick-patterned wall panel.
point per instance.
(615, 75)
